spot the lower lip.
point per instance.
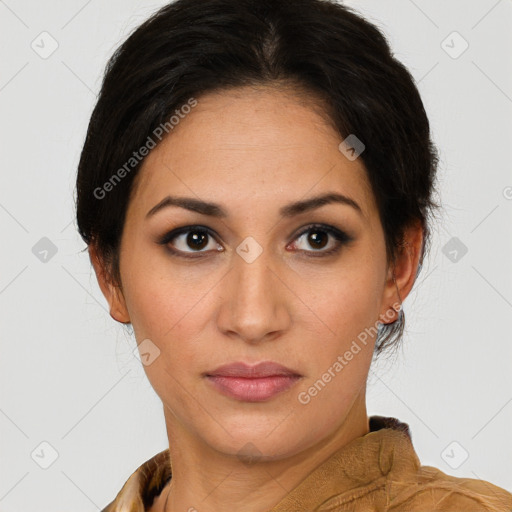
(252, 390)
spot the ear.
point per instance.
(113, 294)
(402, 274)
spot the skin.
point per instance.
(254, 150)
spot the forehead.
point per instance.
(249, 145)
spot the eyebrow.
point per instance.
(290, 210)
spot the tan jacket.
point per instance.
(378, 472)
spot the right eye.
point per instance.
(188, 237)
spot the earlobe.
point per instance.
(402, 273)
(111, 292)
(118, 309)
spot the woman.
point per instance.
(255, 191)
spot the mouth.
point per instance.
(258, 389)
(256, 383)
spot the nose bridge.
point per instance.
(254, 306)
(251, 271)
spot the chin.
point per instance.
(251, 442)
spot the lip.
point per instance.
(263, 369)
(256, 383)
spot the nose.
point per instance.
(255, 305)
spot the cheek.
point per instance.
(164, 314)
(350, 303)
(159, 300)
(168, 311)
(340, 362)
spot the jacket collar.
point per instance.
(385, 449)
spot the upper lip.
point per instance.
(263, 369)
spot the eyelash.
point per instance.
(341, 237)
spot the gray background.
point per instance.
(67, 373)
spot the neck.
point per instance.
(208, 480)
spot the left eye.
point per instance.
(317, 237)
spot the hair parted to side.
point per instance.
(319, 47)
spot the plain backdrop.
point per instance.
(77, 414)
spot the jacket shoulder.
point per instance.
(436, 491)
(143, 485)
(128, 498)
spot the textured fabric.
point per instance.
(377, 472)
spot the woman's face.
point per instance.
(258, 286)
